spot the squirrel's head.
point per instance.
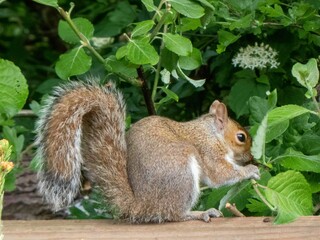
(235, 136)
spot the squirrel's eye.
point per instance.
(241, 137)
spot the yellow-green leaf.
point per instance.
(290, 193)
(13, 88)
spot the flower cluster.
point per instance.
(256, 56)
(5, 152)
(5, 167)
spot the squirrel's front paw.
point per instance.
(253, 172)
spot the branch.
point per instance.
(233, 209)
(25, 113)
(86, 43)
(255, 187)
(146, 93)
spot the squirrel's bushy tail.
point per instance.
(82, 126)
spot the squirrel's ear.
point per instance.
(220, 111)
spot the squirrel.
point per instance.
(152, 172)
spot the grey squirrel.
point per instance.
(151, 173)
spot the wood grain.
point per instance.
(223, 228)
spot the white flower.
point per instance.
(256, 56)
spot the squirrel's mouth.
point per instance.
(245, 159)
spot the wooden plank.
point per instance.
(223, 228)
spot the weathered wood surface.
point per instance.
(223, 228)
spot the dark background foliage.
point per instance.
(31, 40)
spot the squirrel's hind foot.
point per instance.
(204, 215)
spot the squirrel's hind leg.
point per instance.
(204, 215)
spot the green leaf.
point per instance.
(257, 206)
(16, 140)
(188, 24)
(290, 193)
(215, 196)
(169, 59)
(311, 93)
(149, 5)
(142, 28)
(298, 161)
(284, 113)
(73, 63)
(272, 99)
(51, 3)
(122, 66)
(242, 23)
(13, 88)
(196, 83)
(68, 35)
(238, 194)
(208, 17)
(310, 144)
(259, 140)
(306, 74)
(258, 108)
(191, 62)
(170, 94)
(245, 5)
(263, 79)
(313, 180)
(116, 20)
(35, 107)
(225, 39)
(141, 52)
(177, 44)
(311, 26)
(163, 100)
(273, 12)
(276, 130)
(187, 8)
(278, 119)
(315, 39)
(47, 85)
(207, 4)
(10, 181)
(241, 91)
(121, 52)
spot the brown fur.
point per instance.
(152, 173)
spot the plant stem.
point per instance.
(153, 34)
(146, 93)
(160, 24)
(157, 74)
(255, 187)
(234, 210)
(84, 41)
(158, 9)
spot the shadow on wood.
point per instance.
(223, 228)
